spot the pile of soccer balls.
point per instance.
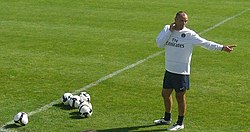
(80, 102)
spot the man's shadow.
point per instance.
(75, 115)
(127, 129)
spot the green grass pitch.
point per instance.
(50, 47)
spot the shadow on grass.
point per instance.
(135, 128)
(75, 115)
(11, 126)
(62, 106)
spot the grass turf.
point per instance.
(52, 47)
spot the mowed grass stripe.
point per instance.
(116, 73)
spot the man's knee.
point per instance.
(180, 96)
(166, 93)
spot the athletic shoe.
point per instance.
(176, 127)
(162, 121)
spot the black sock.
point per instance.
(167, 116)
(180, 120)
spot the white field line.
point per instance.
(45, 107)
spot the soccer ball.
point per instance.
(85, 96)
(74, 101)
(85, 109)
(21, 119)
(65, 98)
(86, 103)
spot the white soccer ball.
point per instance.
(85, 96)
(74, 101)
(85, 109)
(65, 98)
(21, 119)
(85, 103)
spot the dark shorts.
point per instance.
(175, 81)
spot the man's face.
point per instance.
(181, 21)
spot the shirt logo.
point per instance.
(174, 43)
(183, 35)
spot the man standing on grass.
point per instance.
(178, 42)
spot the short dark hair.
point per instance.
(180, 12)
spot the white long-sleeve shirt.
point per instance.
(179, 46)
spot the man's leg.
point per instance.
(167, 98)
(181, 100)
